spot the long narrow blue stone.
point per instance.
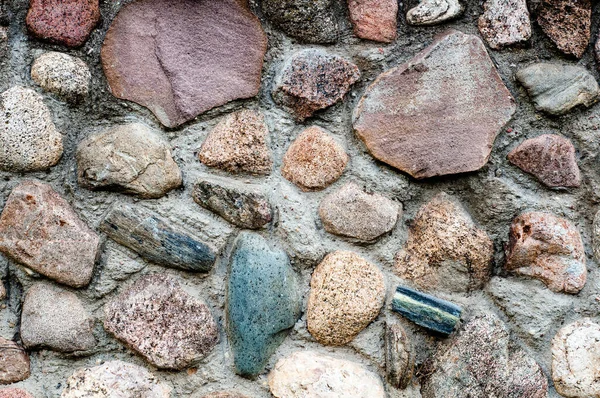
(425, 310)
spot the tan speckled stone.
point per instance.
(14, 393)
(66, 76)
(314, 160)
(346, 295)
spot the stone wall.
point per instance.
(225, 197)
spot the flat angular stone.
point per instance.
(353, 213)
(505, 22)
(482, 362)
(567, 23)
(576, 358)
(399, 356)
(557, 88)
(14, 393)
(157, 319)
(115, 379)
(550, 158)
(433, 12)
(56, 319)
(312, 80)
(430, 312)
(312, 374)
(263, 302)
(67, 22)
(29, 141)
(153, 238)
(40, 230)
(310, 21)
(548, 248)
(314, 160)
(449, 129)
(14, 362)
(180, 59)
(239, 143)
(445, 250)
(346, 294)
(130, 158)
(243, 206)
(374, 19)
(61, 74)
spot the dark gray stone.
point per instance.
(155, 239)
(263, 302)
(243, 206)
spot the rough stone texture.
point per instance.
(239, 143)
(40, 230)
(353, 213)
(310, 21)
(432, 12)
(558, 88)
(130, 158)
(576, 358)
(596, 236)
(61, 74)
(374, 19)
(243, 206)
(67, 22)
(55, 318)
(225, 394)
(550, 158)
(156, 239)
(312, 80)
(263, 301)
(399, 356)
(115, 379)
(430, 132)
(29, 141)
(314, 160)
(14, 393)
(346, 294)
(567, 23)
(311, 374)
(157, 44)
(505, 22)
(14, 362)
(481, 362)
(160, 321)
(548, 248)
(445, 250)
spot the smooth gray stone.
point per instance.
(153, 238)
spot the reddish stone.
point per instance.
(374, 19)
(182, 58)
(313, 80)
(550, 158)
(547, 248)
(40, 230)
(567, 23)
(14, 393)
(439, 113)
(67, 22)
(14, 362)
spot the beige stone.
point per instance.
(61, 74)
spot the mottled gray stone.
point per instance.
(61, 74)
(162, 322)
(505, 22)
(55, 318)
(241, 205)
(557, 88)
(130, 158)
(432, 12)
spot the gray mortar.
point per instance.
(493, 195)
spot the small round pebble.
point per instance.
(66, 76)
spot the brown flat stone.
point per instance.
(439, 113)
(567, 23)
(374, 19)
(67, 22)
(14, 362)
(182, 58)
(550, 158)
(547, 248)
(40, 230)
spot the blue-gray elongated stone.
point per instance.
(263, 301)
(153, 238)
(428, 311)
